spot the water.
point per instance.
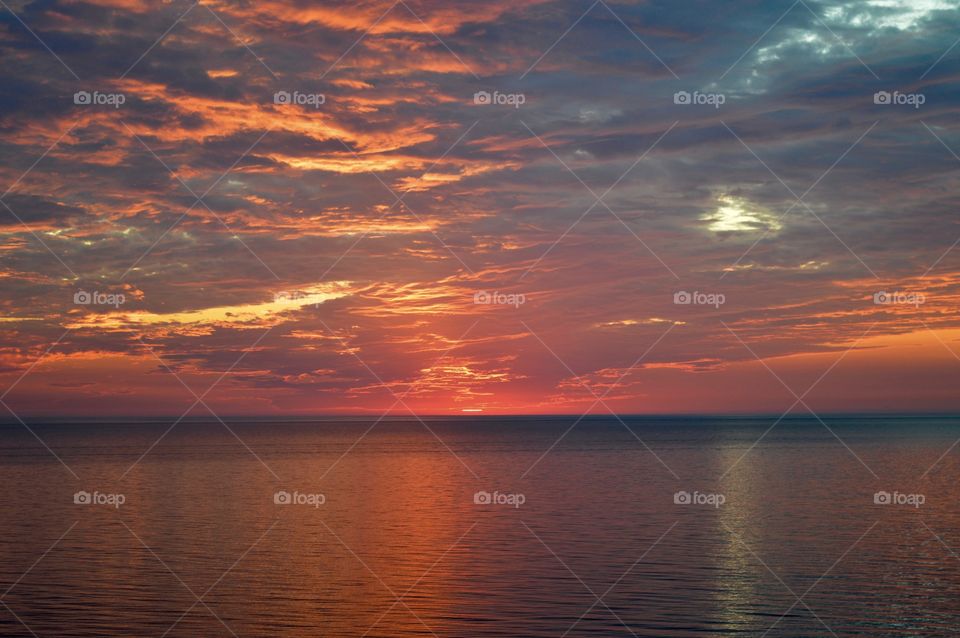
(598, 546)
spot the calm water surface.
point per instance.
(786, 539)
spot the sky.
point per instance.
(382, 207)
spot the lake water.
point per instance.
(377, 532)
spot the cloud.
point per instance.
(382, 210)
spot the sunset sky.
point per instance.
(334, 252)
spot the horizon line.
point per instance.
(60, 418)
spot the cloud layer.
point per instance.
(531, 206)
